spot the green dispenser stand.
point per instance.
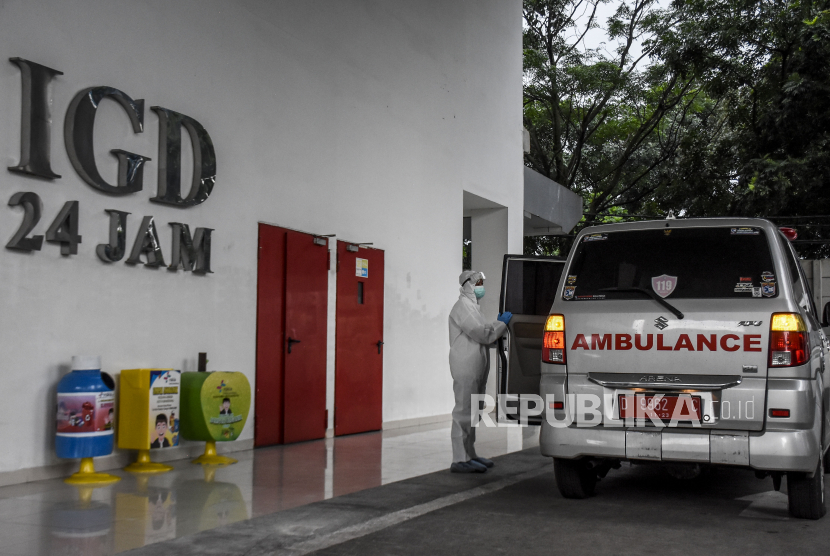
(214, 409)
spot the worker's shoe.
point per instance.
(467, 467)
(488, 463)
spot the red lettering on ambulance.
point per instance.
(752, 342)
(622, 341)
(684, 342)
(639, 345)
(726, 347)
(711, 342)
(600, 342)
(580, 342)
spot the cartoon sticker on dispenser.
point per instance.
(224, 398)
(88, 412)
(164, 406)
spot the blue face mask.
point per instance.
(479, 291)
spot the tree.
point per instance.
(601, 122)
(766, 64)
(725, 113)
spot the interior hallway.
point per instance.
(50, 517)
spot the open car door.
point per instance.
(528, 287)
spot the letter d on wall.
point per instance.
(170, 160)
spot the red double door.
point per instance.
(292, 303)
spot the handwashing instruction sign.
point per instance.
(226, 399)
(164, 408)
(362, 268)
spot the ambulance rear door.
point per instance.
(529, 285)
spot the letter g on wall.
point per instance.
(78, 131)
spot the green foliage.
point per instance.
(599, 121)
(766, 65)
(726, 112)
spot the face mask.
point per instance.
(479, 291)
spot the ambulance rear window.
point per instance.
(675, 263)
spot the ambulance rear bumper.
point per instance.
(793, 450)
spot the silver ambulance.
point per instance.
(687, 342)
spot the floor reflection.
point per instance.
(81, 527)
(51, 518)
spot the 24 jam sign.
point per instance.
(189, 252)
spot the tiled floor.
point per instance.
(50, 517)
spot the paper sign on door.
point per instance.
(362, 268)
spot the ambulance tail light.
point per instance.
(788, 343)
(789, 233)
(553, 350)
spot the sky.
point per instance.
(596, 38)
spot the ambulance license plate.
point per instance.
(681, 407)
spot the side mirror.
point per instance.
(825, 315)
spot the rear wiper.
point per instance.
(650, 294)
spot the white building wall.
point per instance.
(362, 118)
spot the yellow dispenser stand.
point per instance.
(144, 465)
(87, 475)
(210, 457)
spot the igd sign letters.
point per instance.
(190, 252)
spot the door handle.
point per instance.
(291, 341)
(379, 344)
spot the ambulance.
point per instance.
(688, 342)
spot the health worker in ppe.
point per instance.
(470, 339)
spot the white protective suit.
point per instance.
(470, 339)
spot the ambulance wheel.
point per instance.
(806, 494)
(574, 477)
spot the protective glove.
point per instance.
(505, 317)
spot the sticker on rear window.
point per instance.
(768, 289)
(590, 297)
(745, 231)
(767, 276)
(595, 237)
(743, 287)
(664, 284)
(568, 293)
(571, 279)
(756, 292)
(747, 279)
